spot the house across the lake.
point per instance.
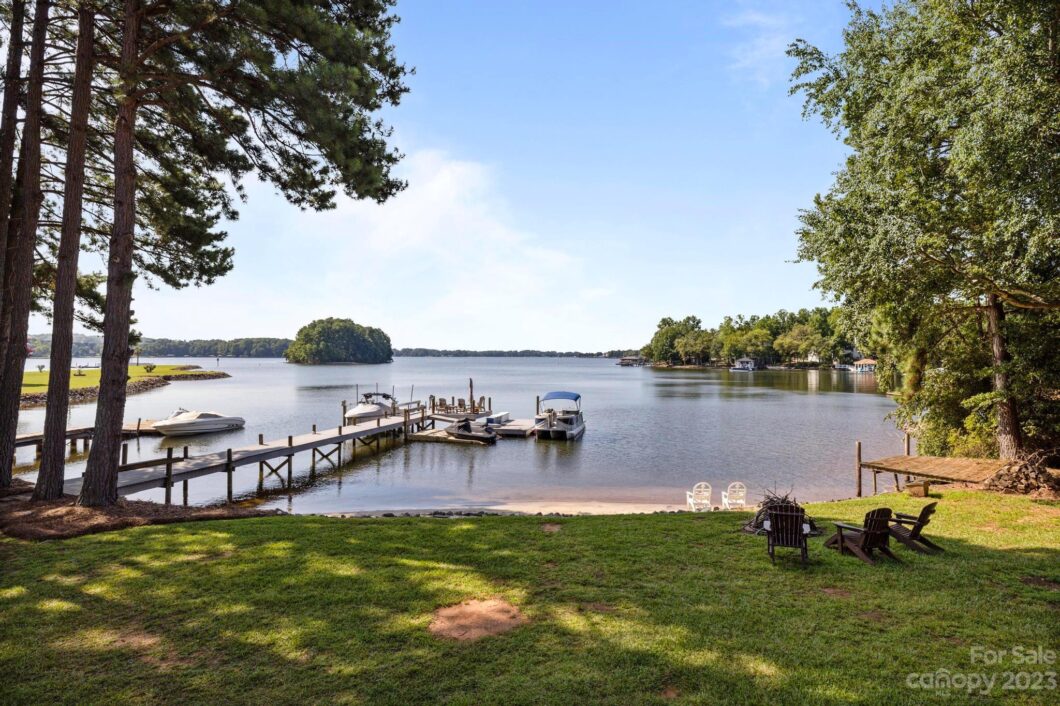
(865, 365)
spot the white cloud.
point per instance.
(439, 265)
(761, 40)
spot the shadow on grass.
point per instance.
(623, 609)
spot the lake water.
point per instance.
(652, 433)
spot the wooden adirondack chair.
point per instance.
(863, 541)
(908, 529)
(699, 498)
(786, 526)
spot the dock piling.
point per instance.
(124, 453)
(228, 469)
(169, 476)
(261, 439)
(185, 484)
(857, 464)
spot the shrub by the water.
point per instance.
(339, 341)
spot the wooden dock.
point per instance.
(514, 428)
(141, 427)
(165, 472)
(440, 436)
(938, 468)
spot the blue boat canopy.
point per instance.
(561, 395)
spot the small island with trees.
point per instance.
(339, 341)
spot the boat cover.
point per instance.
(561, 395)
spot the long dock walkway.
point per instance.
(147, 475)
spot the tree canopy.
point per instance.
(941, 233)
(805, 335)
(339, 341)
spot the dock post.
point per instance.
(124, 453)
(290, 464)
(73, 445)
(343, 419)
(228, 470)
(39, 446)
(138, 420)
(185, 452)
(169, 476)
(537, 405)
(378, 421)
(261, 439)
(489, 403)
(185, 484)
(88, 444)
(314, 428)
(907, 449)
(857, 464)
(261, 476)
(875, 478)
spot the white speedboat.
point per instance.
(372, 406)
(743, 365)
(185, 423)
(558, 420)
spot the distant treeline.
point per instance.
(91, 346)
(460, 353)
(808, 335)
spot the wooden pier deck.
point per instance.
(146, 475)
(517, 428)
(955, 470)
(138, 428)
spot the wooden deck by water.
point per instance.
(959, 470)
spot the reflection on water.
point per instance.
(651, 433)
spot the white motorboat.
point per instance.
(185, 423)
(743, 365)
(372, 406)
(559, 421)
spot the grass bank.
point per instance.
(37, 382)
(621, 609)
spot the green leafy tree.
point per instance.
(944, 221)
(663, 345)
(339, 341)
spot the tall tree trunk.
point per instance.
(8, 118)
(100, 486)
(20, 268)
(1009, 436)
(50, 477)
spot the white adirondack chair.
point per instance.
(735, 498)
(699, 498)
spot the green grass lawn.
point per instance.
(622, 609)
(34, 381)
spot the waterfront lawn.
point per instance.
(622, 609)
(35, 381)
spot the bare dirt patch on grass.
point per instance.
(551, 527)
(835, 592)
(875, 616)
(598, 607)
(669, 693)
(1041, 581)
(476, 619)
(62, 519)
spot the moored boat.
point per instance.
(558, 421)
(372, 406)
(471, 431)
(188, 423)
(743, 365)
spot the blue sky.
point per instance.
(577, 170)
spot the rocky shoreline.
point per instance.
(84, 395)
